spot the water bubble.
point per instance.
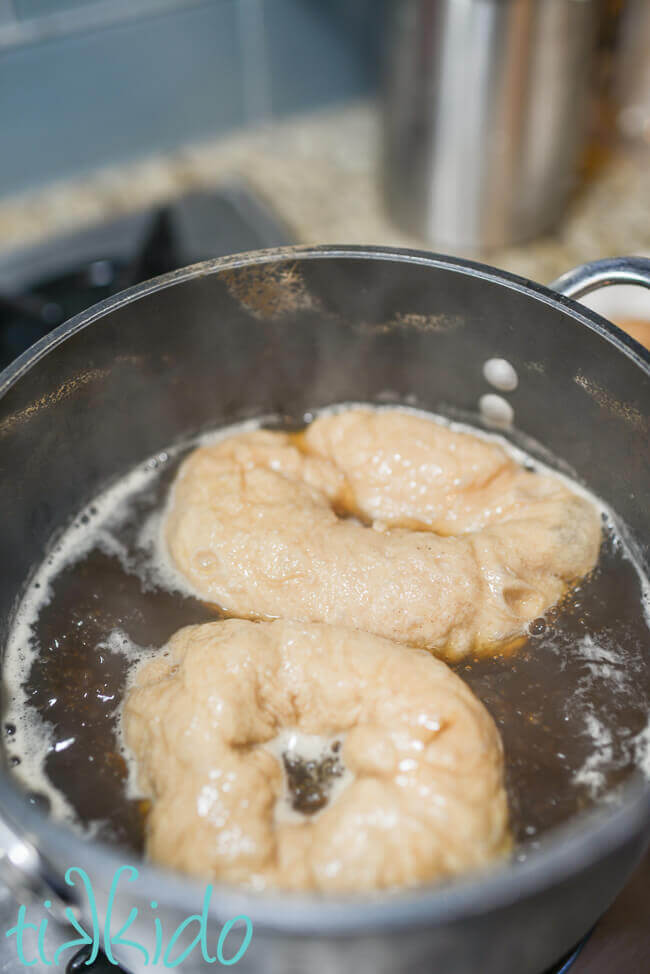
(500, 374)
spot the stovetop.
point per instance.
(45, 285)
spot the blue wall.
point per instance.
(79, 93)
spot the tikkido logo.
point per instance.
(30, 937)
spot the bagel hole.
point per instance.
(314, 772)
(344, 504)
(310, 780)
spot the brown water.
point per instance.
(571, 704)
(310, 780)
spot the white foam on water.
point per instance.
(88, 530)
(604, 663)
(592, 773)
(120, 642)
(34, 738)
(642, 749)
(34, 741)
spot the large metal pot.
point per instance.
(486, 113)
(287, 331)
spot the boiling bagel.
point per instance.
(423, 796)
(451, 545)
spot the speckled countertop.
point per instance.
(319, 174)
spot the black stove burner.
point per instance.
(47, 284)
(79, 963)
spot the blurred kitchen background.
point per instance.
(141, 135)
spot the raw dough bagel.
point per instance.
(453, 546)
(425, 797)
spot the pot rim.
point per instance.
(206, 268)
(563, 851)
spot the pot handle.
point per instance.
(30, 877)
(602, 273)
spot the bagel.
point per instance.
(422, 794)
(382, 521)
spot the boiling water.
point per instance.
(571, 704)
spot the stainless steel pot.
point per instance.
(281, 331)
(485, 116)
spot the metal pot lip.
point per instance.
(595, 322)
(563, 852)
(578, 844)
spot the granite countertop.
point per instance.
(319, 173)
